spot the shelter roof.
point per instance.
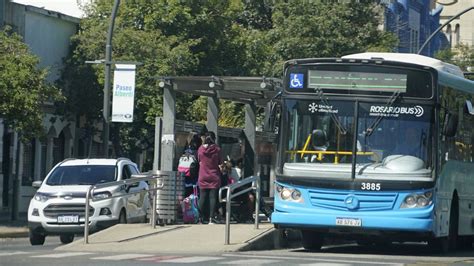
(257, 90)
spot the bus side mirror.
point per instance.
(450, 125)
(271, 117)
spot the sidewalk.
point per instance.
(192, 239)
(142, 238)
(10, 229)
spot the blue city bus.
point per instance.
(375, 148)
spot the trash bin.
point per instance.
(168, 198)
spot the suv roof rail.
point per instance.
(123, 158)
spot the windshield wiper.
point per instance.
(377, 121)
(335, 119)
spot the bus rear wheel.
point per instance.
(311, 240)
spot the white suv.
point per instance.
(58, 207)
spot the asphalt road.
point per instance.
(19, 252)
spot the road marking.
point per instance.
(249, 262)
(61, 255)
(159, 258)
(192, 259)
(341, 261)
(9, 253)
(326, 264)
(123, 257)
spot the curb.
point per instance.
(264, 241)
(17, 234)
(13, 231)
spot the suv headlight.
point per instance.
(41, 197)
(417, 200)
(102, 195)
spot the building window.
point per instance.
(457, 35)
(58, 148)
(27, 176)
(449, 35)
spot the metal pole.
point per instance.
(155, 191)
(108, 66)
(442, 26)
(16, 179)
(227, 218)
(157, 151)
(86, 217)
(257, 201)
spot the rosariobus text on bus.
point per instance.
(375, 148)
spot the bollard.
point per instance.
(86, 217)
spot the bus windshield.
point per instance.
(314, 139)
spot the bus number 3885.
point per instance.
(370, 186)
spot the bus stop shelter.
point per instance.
(250, 91)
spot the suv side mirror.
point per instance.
(36, 184)
(450, 124)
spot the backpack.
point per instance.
(189, 207)
(188, 165)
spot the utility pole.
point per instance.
(108, 67)
(441, 27)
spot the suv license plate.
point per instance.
(63, 219)
(348, 221)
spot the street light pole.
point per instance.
(442, 26)
(108, 67)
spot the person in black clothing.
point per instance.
(190, 150)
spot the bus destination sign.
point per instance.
(360, 81)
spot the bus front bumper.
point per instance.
(414, 221)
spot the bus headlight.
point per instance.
(279, 188)
(285, 194)
(288, 194)
(296, 195)
(417, 200)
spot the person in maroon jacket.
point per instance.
(209, 180)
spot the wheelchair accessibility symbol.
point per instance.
(296, 81)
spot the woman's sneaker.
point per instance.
(215, 220)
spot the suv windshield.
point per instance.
(81, 175)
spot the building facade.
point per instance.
(413, 21)
(461, 29)
(47, 33)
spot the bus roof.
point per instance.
(411, 59)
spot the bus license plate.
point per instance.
(348, 221)
(66, 219)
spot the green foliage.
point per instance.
(462, 56)
(22, 86)
(310, 29)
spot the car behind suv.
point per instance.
(58, 207)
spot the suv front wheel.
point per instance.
(36, 239)
(122, 217)
(66, 238)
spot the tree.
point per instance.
(309, 29)
(23, 87)
(462, 55)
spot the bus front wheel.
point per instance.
(311, 240)
(449, 243)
